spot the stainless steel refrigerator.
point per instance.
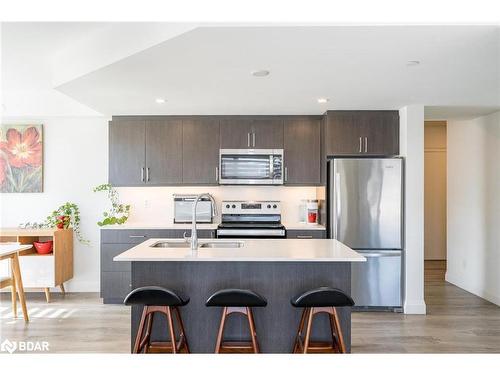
(365, 212)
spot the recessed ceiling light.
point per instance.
(160, 100)
(260, 73)
(412, 63)
(323, 100)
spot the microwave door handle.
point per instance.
(248, 139)
(253, 139)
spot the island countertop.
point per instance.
(253, 250)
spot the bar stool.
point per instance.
(238, 301)
(316, 301)
(156, 299)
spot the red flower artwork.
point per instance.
(23, 149)
(21, 159)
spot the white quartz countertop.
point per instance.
(255, 250)
(290, 226)
(161, 226)
(304, 226)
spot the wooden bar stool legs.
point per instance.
(143, 342)
(225, 346)
(304, 345)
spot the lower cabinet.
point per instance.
(116, 280)
(306, 234)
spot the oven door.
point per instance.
(250, 233)
(251, 167)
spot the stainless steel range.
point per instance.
(251, 219)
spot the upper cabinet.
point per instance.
(127, 154)
(163, 151)
(236, 132)
(145, 151)
(381, 133)
(302, 150)
(251, 132)
(200, 151)
(267, 132)
(362, 133)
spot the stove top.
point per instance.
(251, 219)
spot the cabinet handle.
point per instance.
(217, 174)
(147, 174)
(360, 145)
(366, 144)
(248, 139)
(286, 174)
(253, 139)
(137, 236)
(142, 174)
(304, 237)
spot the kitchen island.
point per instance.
(278, 269)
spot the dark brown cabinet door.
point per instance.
(267, 133)
(126, 152)
(343, 133)
(163, 152)
(235, 133)
(200, 151)
(302, 151)
(362, 133)
(380, 132)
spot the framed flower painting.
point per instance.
(21, 159)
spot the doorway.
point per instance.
(435, 200)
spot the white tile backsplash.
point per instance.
(155, 204)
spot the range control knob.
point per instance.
(227, 206)
(233, 206)
(274, 206)
(268, 206)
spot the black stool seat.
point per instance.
(155, 296)
(236, 298)
(322, 297)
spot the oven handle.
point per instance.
(251, 232)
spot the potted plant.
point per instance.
(119, 213)
(66, 216)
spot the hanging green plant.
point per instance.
(119, 213)
(66, 216)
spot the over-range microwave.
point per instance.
(251, 167)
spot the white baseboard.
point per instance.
(415, 307)
(480, 292)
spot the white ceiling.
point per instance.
(207, 70)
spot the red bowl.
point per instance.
(43, 247)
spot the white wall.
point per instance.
(474, 206)
(75, 160)
(412, 148)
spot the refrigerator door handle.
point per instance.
(338, 209)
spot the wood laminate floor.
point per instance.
(457, 322)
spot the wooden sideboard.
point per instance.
(43, 271)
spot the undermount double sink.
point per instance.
(201, 245)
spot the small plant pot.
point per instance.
(43, 247)
(62, 222)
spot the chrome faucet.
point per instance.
(194, 234)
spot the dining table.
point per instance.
(11, 251)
